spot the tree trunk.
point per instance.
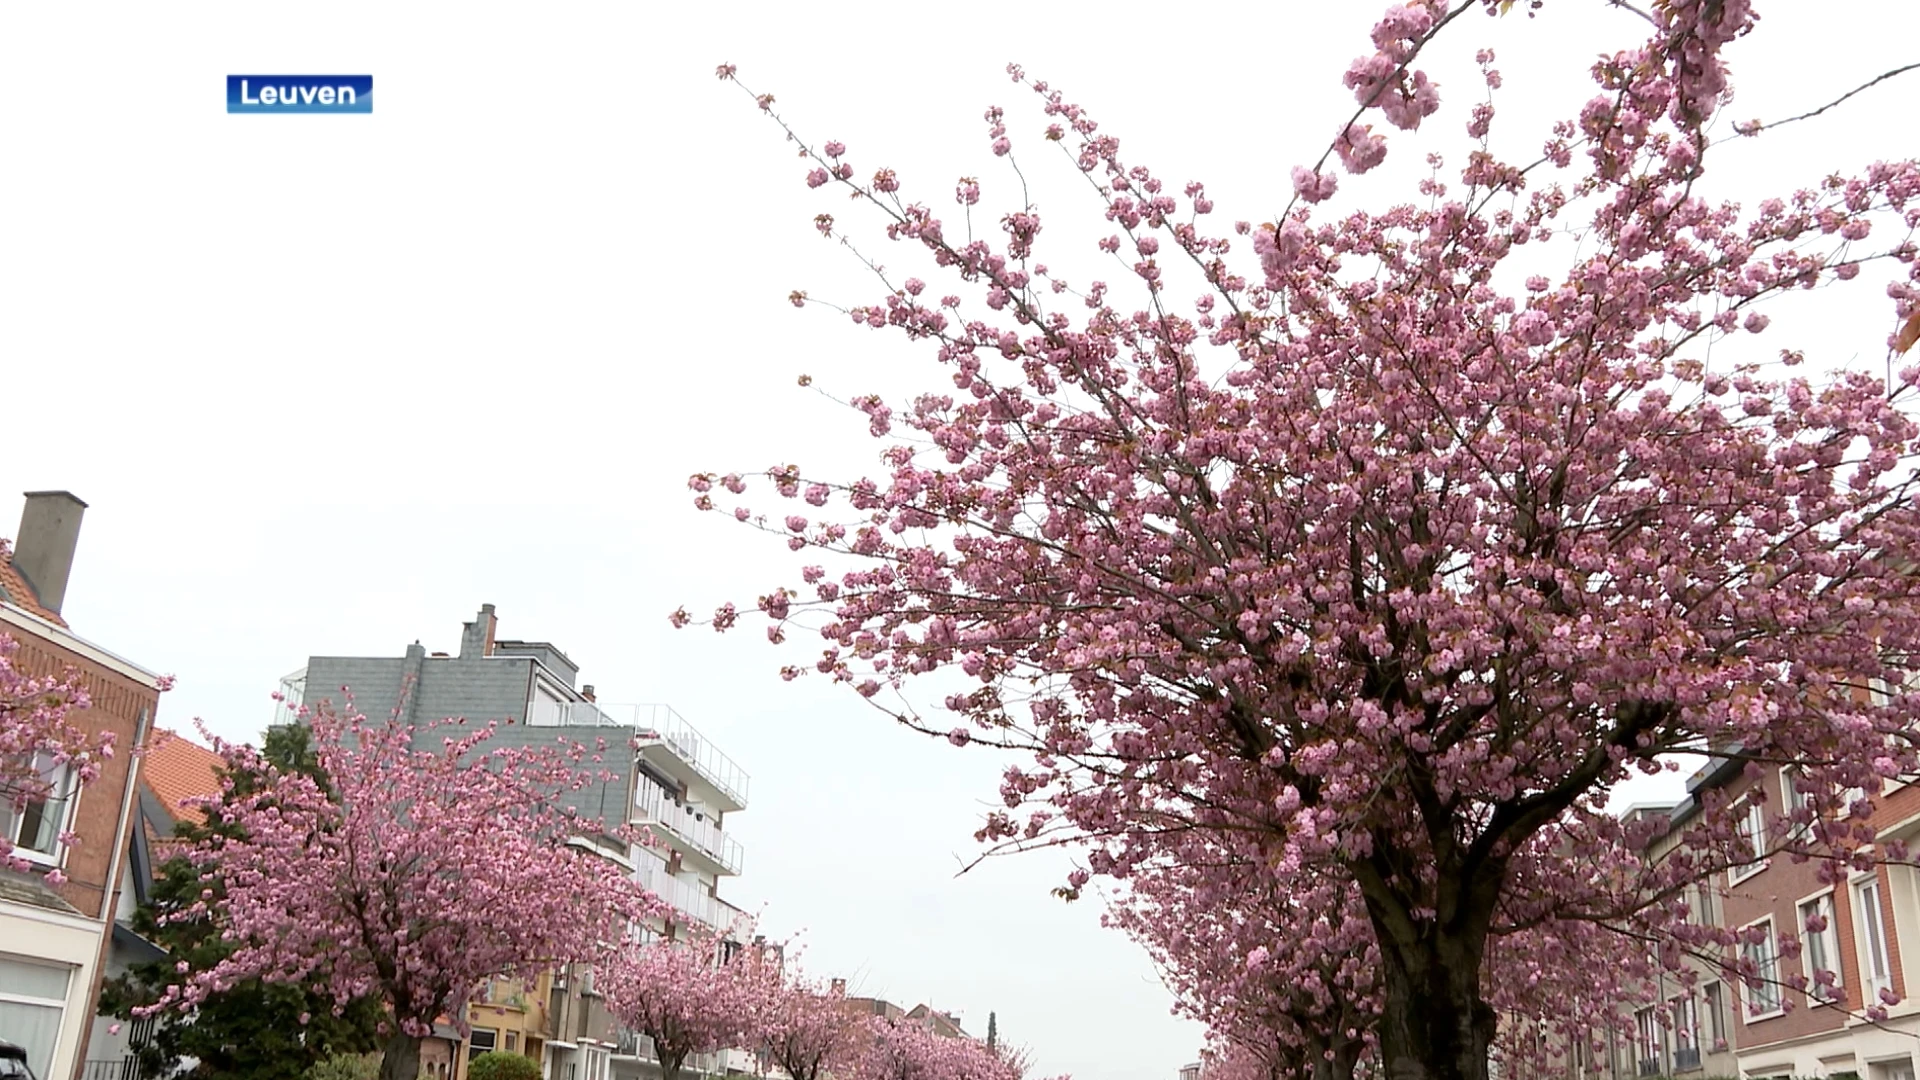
(1434, 1025)
(400, 1058)
(669, 1064)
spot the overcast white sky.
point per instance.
(331, 382)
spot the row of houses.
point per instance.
(1853, 936)
(62, 934)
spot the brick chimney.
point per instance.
(43, 548)
(476, 637)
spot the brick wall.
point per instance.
(117, 703)
(1777, 891)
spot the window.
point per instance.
(1646, 1042)
(1686, 1034)
(513, 1042)
(1820, 948)
(1753, 836)
(1874, 969)
(1703, 906)
(35, 828)
(33, 1000)
(481, 1041)
(1763, 995)
(1716, 999)
(1794, 787)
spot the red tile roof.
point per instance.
(15, 590)
(178, 769)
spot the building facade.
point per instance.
(57, 929)
(1806, 1015)
(674, 783)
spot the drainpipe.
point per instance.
(110, 900)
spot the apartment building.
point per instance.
(1682, 1031)
(1856, 932)
(673, 782)
(1854, 929)
(56, 929)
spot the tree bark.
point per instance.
(400, 1058)
(1434, 1025)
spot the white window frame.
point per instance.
(1871, 948)
(1754, 830)
(59, 1005)
(1714, 995)
(1647, 1043)
(1770, 980)
(1828, 943)
(1793, 799)
(1703, 903)
(61, 789)
(1685, 1010)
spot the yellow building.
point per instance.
(511, 1016)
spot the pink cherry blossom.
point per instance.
(390, 880)
(1370, 572)
(687, 996)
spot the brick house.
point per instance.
(1782, 1032)
(174, 771)
(54, 938)
(1774, 1031)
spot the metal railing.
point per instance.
(655, 724)
(686, 897)
(632, 1044)
(654, 804)
(1685, 1058)
(126, 1068)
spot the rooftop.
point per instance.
(15, 590)
(178, 769)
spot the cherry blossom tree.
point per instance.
(37, 738)
(809, 1031)
(900, 1049)
(410, 875)
(1288, 975)
(1413, 533)
(690, 996)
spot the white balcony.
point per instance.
(688, 898)
(685, 828)
(666, 740)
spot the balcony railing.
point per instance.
(632, 1044)
(1686, 1058)
(657, 723)
(654, 805)
(1650, 1067)
(686, 897)
(125, 1068)
(654, 723)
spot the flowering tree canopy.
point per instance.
(689, 995)
(1287, 975)
(809, 1031)
(411, 876)
(1391, 545)
(37, 739)
(901, 1049)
